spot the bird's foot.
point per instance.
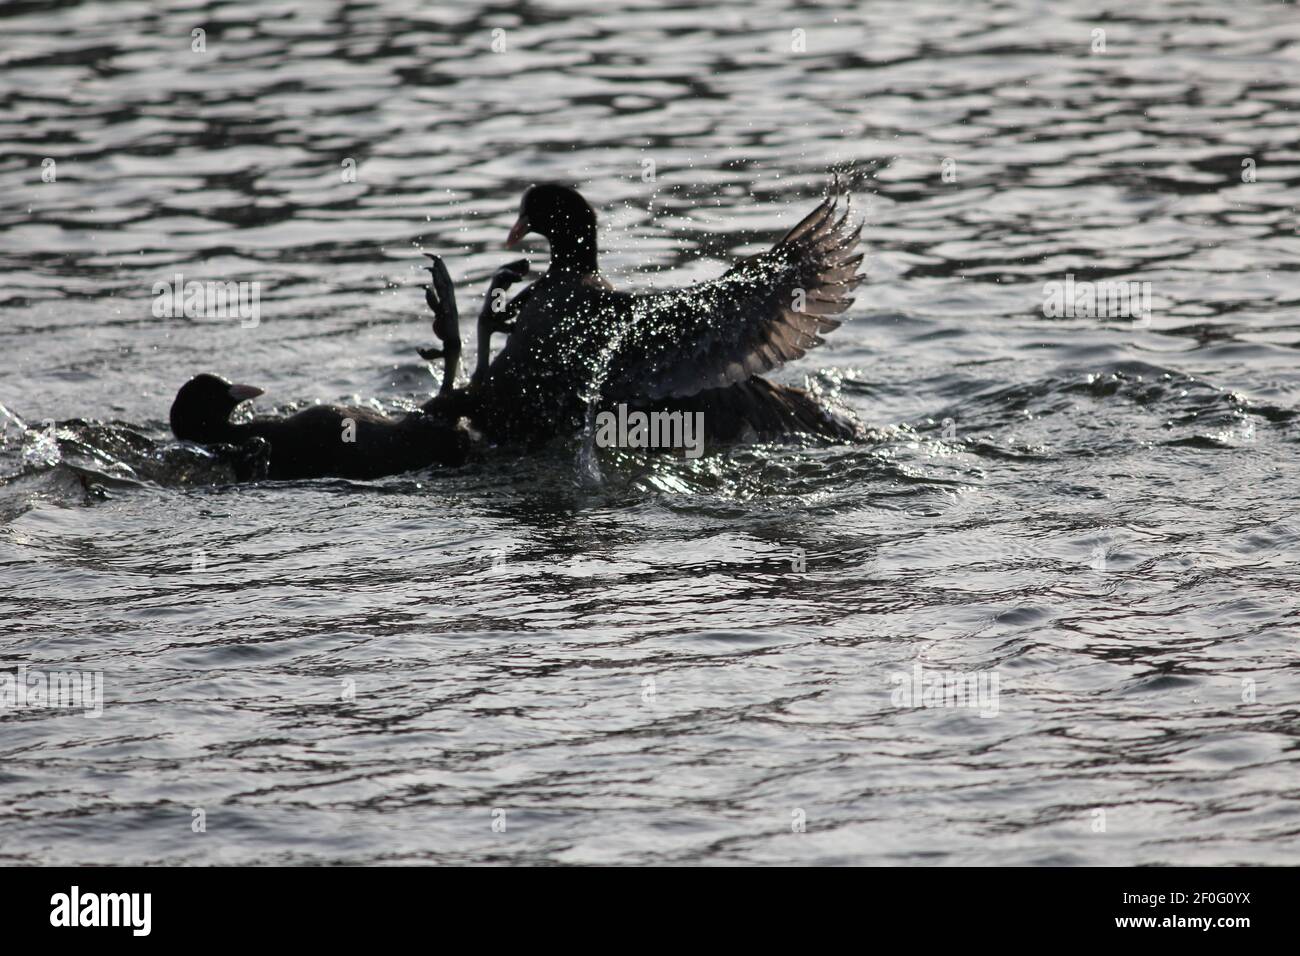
(510, 273)
(440, 294)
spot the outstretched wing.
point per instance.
(763, 312)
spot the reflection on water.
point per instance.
(694, 660)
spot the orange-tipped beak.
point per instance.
(242, 393)
(517, 232)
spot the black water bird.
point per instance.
(317, 442)
(577, 340)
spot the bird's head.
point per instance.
(566, 220)
(201, 411)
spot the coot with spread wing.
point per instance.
(575, 339)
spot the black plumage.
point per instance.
(576, 339)
(317, 442)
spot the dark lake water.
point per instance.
(694, 661)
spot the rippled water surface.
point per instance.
(692, 661)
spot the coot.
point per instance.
(575, 338)
(320, 441)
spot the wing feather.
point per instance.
(765, 311)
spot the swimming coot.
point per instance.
(320, 441)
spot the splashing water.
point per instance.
(41, 447)
(588, 463)
(12, 428)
